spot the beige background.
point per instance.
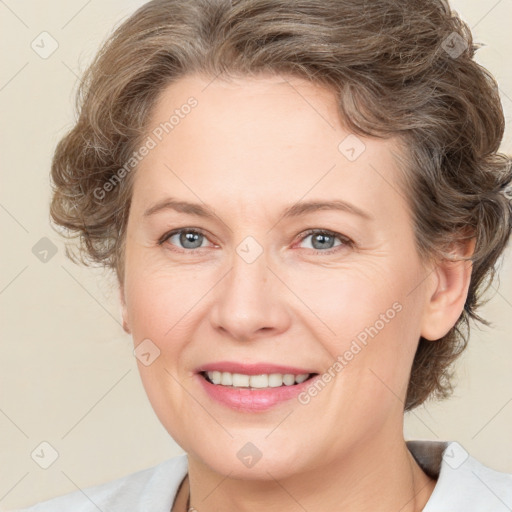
(68, 375)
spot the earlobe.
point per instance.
(447, 296)
(124, 310)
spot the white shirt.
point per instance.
(463, 485)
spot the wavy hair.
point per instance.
(397, 67)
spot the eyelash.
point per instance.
(345, 241)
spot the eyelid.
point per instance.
(346, 241)
(314, 231)
(168, 235)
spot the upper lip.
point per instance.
(252, 368)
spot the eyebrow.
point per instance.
(295, 210)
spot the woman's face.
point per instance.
(245, 282)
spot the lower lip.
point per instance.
(253, 400)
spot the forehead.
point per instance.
(256, 139)
(248, 114)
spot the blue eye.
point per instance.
(323, 241)
(185, 238)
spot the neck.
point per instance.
(372, 476)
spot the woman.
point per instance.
(301, 202)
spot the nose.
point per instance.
(250, 301)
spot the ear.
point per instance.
(124, 310)
(447, 294)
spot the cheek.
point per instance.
(347, 299)
(159, 294)
(365, 315)
(158, 304)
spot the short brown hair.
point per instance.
(398, 68)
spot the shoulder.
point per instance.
(152, 489)
(463, 483)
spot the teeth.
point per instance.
(301, 378)
(226, 379)
(239, 380)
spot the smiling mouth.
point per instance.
(262, 381)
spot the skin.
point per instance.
(252, 147)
